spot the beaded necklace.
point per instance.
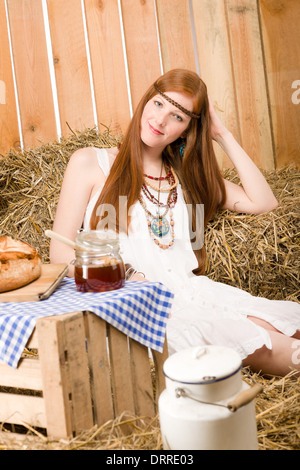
(158, 225)
(169, 176)
(172, 198)
(160, 178)
(171, 201)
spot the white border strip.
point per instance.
(158, 38)
(14, 78)
(125, 58)
(88, 54)
(194, 37)
(51, 68)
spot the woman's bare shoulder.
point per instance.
(83, 160)
(84, 155)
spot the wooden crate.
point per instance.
(85, 372)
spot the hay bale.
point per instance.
(30, 183)
(259, 253)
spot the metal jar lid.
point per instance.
(96, 240)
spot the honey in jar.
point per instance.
(98, 265)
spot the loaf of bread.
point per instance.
(20, 264)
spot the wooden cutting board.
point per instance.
(39, 289)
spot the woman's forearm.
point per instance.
(255, 186)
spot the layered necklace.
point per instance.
(158, 224)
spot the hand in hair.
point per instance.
(216, 125)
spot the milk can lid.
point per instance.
(205, 364)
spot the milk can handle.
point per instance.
(244, 397)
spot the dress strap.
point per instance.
(103, 160)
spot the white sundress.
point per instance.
(203, 311)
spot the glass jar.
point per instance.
(98, 264)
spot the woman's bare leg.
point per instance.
(280, 360)
(268, 326)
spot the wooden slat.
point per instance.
(58, 410)
(27, 375)
(141, 379)
(108, 64)
(120, 372)
(251, 90)
(215, 64)
(281, 35)
(32, 71)
(176, 34)
(9, 132)
(141, 46)
(19, 409)
(33, 341)
(99, 368)
(64, 365)
(73, 338)
(71, 66)
(159, 359)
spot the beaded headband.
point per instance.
(174, 103)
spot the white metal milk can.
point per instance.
(206, 405)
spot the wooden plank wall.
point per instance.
(81, 63)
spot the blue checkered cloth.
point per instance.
(139, 309)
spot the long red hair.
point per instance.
(198, 170)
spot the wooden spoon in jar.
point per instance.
(66, 241)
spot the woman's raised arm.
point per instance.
(255, 195)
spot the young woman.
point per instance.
(165, 170)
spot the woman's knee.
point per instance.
(264, 324)
(280, 360)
